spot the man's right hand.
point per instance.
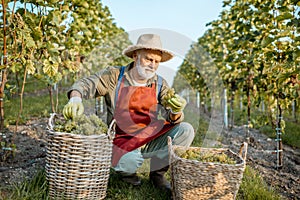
(73, 108)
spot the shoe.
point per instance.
(159, 181)
(132, 179)
(158, 168)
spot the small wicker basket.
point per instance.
(77, 166)
(192, 179)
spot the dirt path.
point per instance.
(30, 140)
(287, 179)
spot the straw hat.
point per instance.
(149, 41)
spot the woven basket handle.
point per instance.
(50, 121)
(170, 149)
(169, 142)
(243, 146)
(111, 130)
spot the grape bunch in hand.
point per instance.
(173, 101)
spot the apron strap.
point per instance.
(159, 85)
(122, 69)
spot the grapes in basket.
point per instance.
(204, 156)
(83, 124)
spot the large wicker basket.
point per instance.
(78, 166)
(192, 179)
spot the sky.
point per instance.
(178, 22)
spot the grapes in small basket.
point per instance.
(203, 156)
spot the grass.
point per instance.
(29, 189)
(291, 135)
(33, 106)
(118, 190)
(199, 123)
(252, 186)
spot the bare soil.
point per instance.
(30, 140)
(262, 156)
(30, 153)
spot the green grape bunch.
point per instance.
(173, 101)
(83, 124)
(169, 98)
(197, 154)
(169, 95)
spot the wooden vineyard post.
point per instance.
(3, 71)
(225, 109)
(198, 99)
(279, 151)
(232, 109)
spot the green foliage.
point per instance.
(199, 123)
(53, 37)
(198, 71)
(34, 106)
(50, 40)
(254, 187)
(118, 190)
(261, 121)
(7, 148)
(291, 136)
(107, 54)
(35, 188)
(255, 47)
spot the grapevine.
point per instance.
(83, 124)
(196, 154)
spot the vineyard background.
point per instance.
(244, 72)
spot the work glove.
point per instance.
(176, 104)
(73, 108)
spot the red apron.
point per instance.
(136, 119)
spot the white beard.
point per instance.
(143, 72)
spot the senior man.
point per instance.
(133, 95)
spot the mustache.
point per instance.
(149, 69)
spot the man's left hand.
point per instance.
(176, 104)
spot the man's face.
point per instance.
(146, 62)
(150, 58)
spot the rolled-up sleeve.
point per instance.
(99, 83)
